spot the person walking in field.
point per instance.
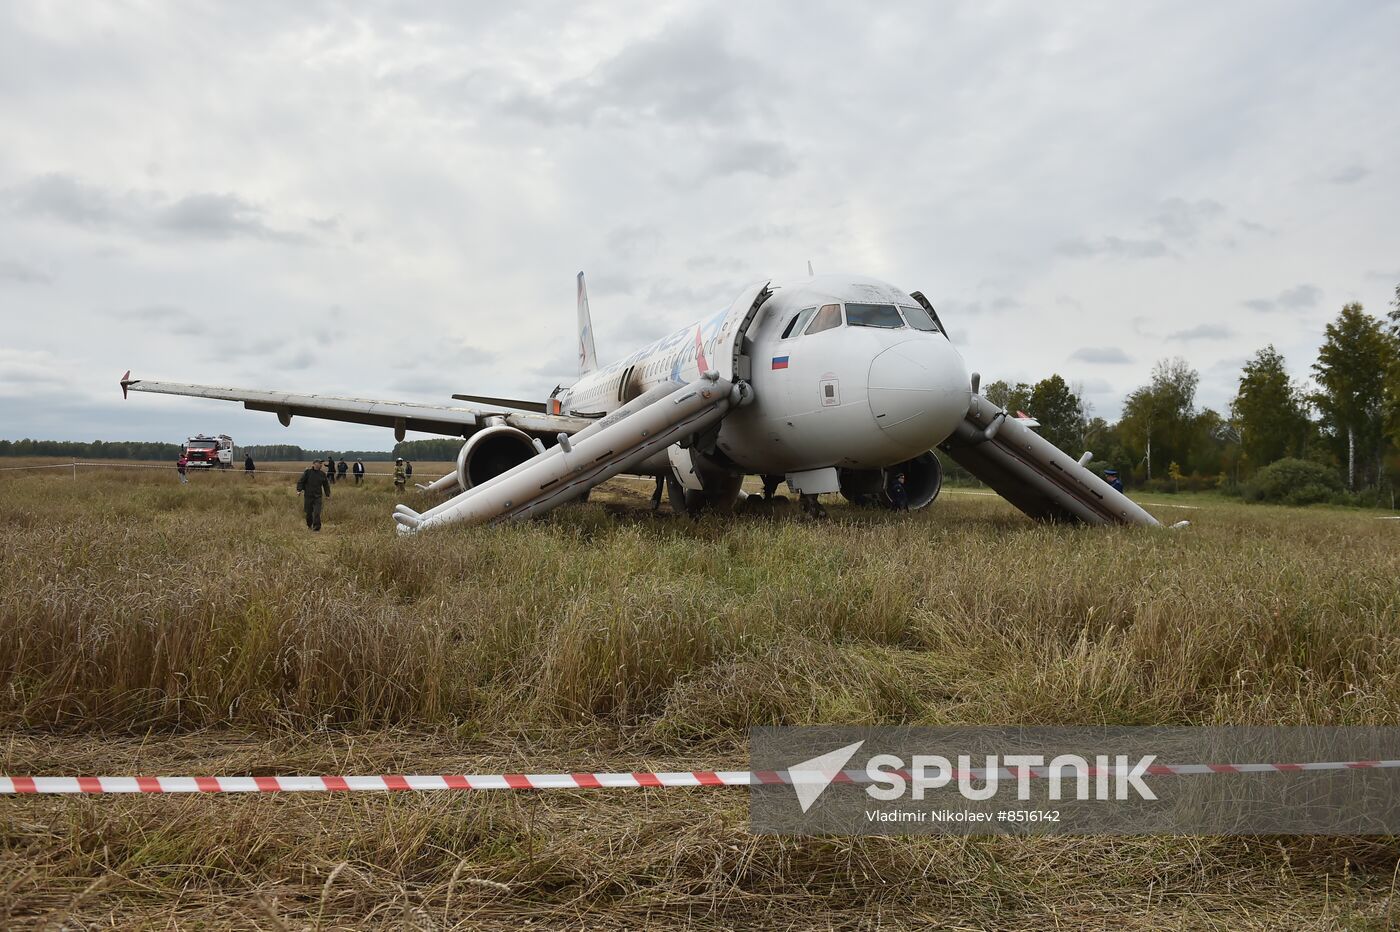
(181, 467)
(312, 485)
(400, 475)
(330, 469)
(340, 469)
(248, 465)
(407, 469)
(359, 471)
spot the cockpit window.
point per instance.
(873, 315)
(795, 325)
(828, 318)
(918, 319)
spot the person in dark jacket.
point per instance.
(899, 492)
(340, 469)
(248, 465)
(1111, 476)
(312, 485)
(359, 470)
(330, 469)
(408, 469)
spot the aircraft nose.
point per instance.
(919, 391)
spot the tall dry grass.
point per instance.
(206, 620)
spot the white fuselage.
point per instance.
(861, 379)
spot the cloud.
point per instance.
(151, 214)
(1202, 332)
(1350, 175)
(1114, 246)
(20, 273)
(687, 74)
(1299, 297)
(167, 318)
(1101, 354)
(216, 216)
(28, 373)
(768, 158)
(1184, 220)
(634, 240)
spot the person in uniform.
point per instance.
(400, 476)
(1112, 476)
(330, 469)
(899, 492)
(340, 470)
(312, 485)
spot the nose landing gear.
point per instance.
(811, 507)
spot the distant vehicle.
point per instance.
(207, 452)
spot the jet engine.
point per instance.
(490, 452)
(863, 487)
(923, 478)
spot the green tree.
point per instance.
(1060, 414)
(1350, 371)
(1392, 384)
(1012, 398)
(1159, 418)
(1269, 412)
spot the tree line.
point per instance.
(1343, 426)
(147, 450)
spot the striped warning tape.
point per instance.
(593, 781)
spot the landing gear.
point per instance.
(811, 506)
(770, 486)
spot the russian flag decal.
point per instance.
(780, 362)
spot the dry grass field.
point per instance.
(152, 628)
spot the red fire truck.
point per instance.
(203, 451)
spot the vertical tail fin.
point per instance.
(587, 355)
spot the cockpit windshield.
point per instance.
(873, 315)
(828, 318)
(795, 325)
(919, 318)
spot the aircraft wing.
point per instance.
(401, 416)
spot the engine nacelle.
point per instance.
(923, 478)
(863, 487)
(490, 452)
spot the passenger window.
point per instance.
(918, 319)
(828, 318)
(795, 325)
(883, 316)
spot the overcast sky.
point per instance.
(392, 203)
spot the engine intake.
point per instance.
(923, 478)
(490, 452)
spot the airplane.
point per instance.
(833, 383)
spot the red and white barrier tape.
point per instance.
(587, 781)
